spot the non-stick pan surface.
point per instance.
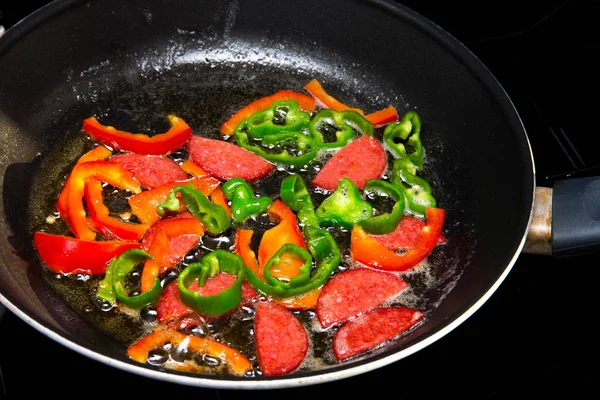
(134, 62)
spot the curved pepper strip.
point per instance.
(385, 222)
(295, 195)
(238, 364)
(306, 103)
(344, 207)
(243, 201)
(211, 264)
(104, 171)
(281, 116)
(315, 88)
(342, 124)
(69, 255)
(101, 219)
(368, 251)
(160, 144)
(409, 130)
(288, 148)
(98, 153)
(303, 275)
(213, 216)
(383, 117)
(417, 190)
(120, 270)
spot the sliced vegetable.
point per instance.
(212, 263)
(68, 255)
(383, 117)
(244, 203)
(417, 190)
(158, 144)
(368, 251)
(214, 217)
(344, 207)
(406, 133)
(306, 103)
(384, 222)
(281, 116)
(121, 268)
(315, 88)
(238, 364)
(343, 125)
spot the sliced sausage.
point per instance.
(150, 171)
(355, 291)
(372, 329)
(405, 234)
(281, 339)
(225, 160)
(362, 159)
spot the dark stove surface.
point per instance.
(533, 336)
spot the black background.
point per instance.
(535, 335)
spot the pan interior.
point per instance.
(139, 61)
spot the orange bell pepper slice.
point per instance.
(235, 360)
(383, 116)
(159, 144)
(104, 171)
(144, 205)
(102, 222)
(95, 154)
(368, 251)
(307, 103)
(286, 231)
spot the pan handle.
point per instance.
(566, 218)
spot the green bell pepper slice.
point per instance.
(120, 269)
(212, 263)
(244, 203)
(303, 276)
(344, 207)
(343, 124)
(408, 129)
(417, 190)
(292, 148)
(213, 216)
(385, 222)
(326, 255)
(295, 195)
(283, 115)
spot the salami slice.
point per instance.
(150, 171)
(281, 340)
(362, 159)
(225, 160)
(405, 234)
(373, 329)
(170, 307)
(355, 291)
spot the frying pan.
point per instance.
(135, 62)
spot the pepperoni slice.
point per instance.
(405, 234)
(355, 291)
(372, 329)
(150, 171)
(281, 340)
(362, 159)
(225, 160)
(170, 308)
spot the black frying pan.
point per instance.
(136, 61)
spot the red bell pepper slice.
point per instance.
(368, 251)
(96, 154)
(144, 205)
(102, 222)
(104, 171)
(139, 351)
(68, 255)
(164, 233)
(159, 144)
(307, 103)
